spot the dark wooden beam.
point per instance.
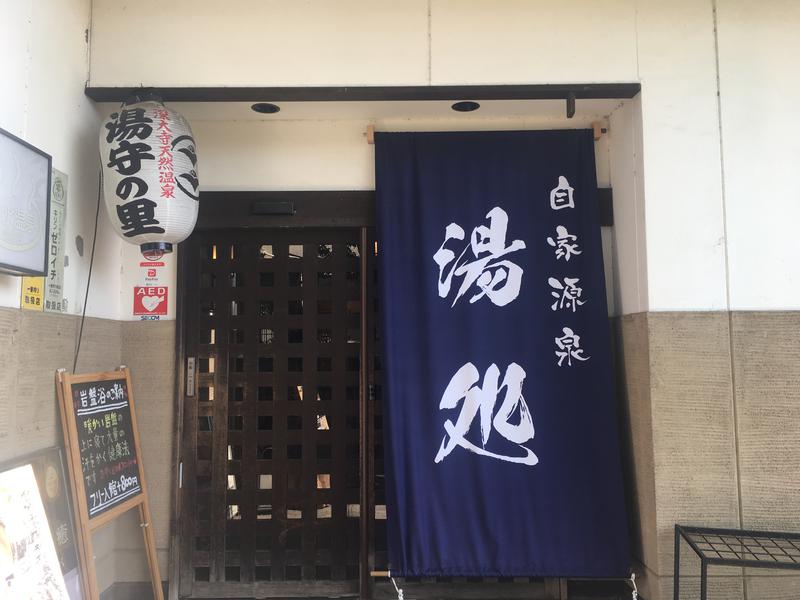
(314, 209)
(375, 93)
(310, 209)
(365, 444)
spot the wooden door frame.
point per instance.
(265, 209)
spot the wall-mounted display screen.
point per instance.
(24, 206)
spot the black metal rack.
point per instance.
(736, 548)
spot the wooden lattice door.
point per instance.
(270, 500)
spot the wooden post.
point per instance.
(597, 129)
(555, 588)
(365, 439)
(150, 548)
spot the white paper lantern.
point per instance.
(150, 175)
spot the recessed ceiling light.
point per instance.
(265, 108)
(465, 106)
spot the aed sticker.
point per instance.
(150, 300)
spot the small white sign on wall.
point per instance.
(54, 278)
(47, 293)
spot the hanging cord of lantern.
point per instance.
(89, 276)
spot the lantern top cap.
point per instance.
(142, 95)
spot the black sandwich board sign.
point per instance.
(104, 459)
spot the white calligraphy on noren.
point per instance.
(561, 195)
(512, 420)
(496, 278)
(569, 347)
(565, 243)
(567, 294)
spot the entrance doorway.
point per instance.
(280, 423)
(277, 427)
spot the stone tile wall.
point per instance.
(713, 404)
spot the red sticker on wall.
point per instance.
(150, 300)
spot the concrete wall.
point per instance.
(712, 401)
(44, 60)
(761, 144)
(672, 48)
(44, 56)
(32, 347)
(721, 396)
(148, 349)
(766, 384)
(681, 51)
(626, 176)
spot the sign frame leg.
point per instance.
(150, 547)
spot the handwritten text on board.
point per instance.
(105, 431)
